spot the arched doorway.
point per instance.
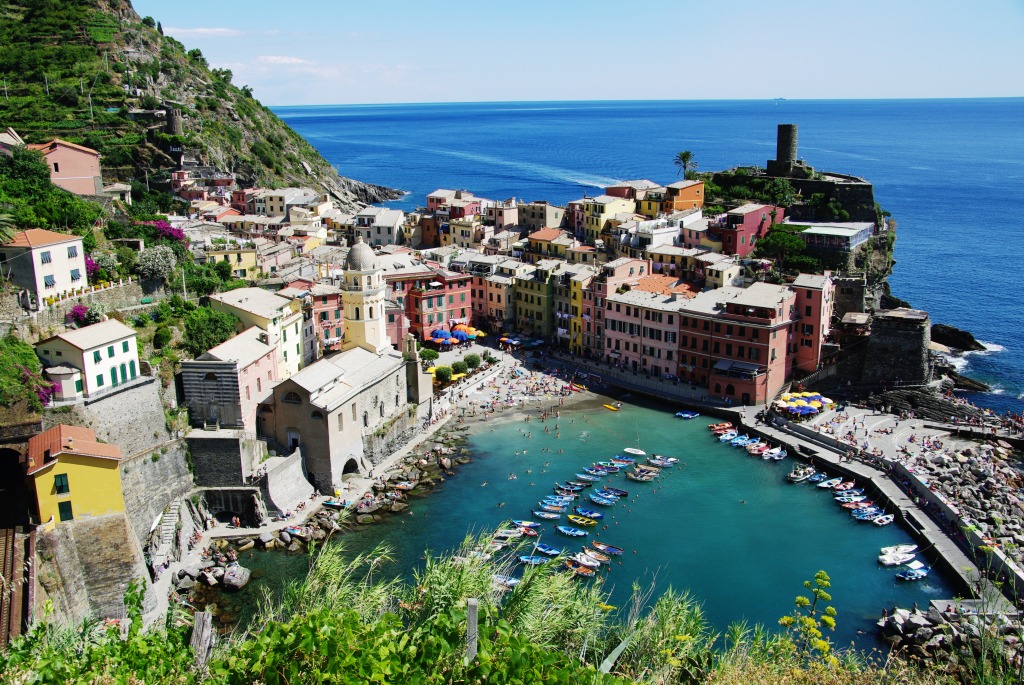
(351, 466)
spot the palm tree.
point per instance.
(684, 161)
(7, 228)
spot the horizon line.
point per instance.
(666, 100)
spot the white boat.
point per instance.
(780, 456)
(636, 451)
(726, 437)
(898, 549)
(896, 559)
(884, 520)
(770, 454)
(586, 560)
(508, 534)
(915, 571)
(830, 483)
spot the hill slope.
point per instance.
(93, 72)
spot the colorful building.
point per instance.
(90, 361)
(280, 317)
(815, 302)
(74, 475)
(599, 211)
(683, 195)
(744, 225)
(44, 264)
(75, 168)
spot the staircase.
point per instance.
(168, 524)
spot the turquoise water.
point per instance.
(725, 525)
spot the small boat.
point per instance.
(817, 477)
(404, 485)
(529, 532)
(845, 485)
(667, 460)
(589, 513)
(640, 477)
(582, 520)
(533, 560)
(780, 456)
(565, 495)
(660, 463)
(334, 504)
(568, 487)
(648, 469)
(915, 571)
(616, 491)
(553, 508)
(611, 407)
(558, 500)
(588, 478)
(597, 473)
(603, 501)
(830, 483)
(727, 436)
(758, 449)
(607, 494)
(571, 532)
(582, 484)
(606, 548)
(895, 559)
(508, 534)
(752, 444)
(869, 514)
(740, 440)
(609, 467)
(579, 569)
(549, 515)
(548, 549)
(502, 582)
(884, 520)
(846, 499)
(525, 524)
(770, 452)
(862, 504)
(719, 426)
(687, 415)
(586, 560)
(622, 461)
(896, 549)
(800, 474)
(594, 554)
(635, 451)
(849, 493)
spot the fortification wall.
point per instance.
(898, 348)
(150, 481)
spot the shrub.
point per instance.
(460, 367)
(443, 374)
(141, 320)
(156, 262)
(473, 361)
(428, 354)
(161, 337)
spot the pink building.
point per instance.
(814, 307)
(223, 386)
(75, 168)
(642, 331)
(576, 216)
(611, 277)
(744, 225)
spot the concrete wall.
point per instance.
(285, 485)
(223, 458)
(85, 565)
(150, 481)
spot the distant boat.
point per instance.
(895, 559)
(635, 451)
(549, 515)
(606, 548)
(896, 549)
(533, 560)
(589, 513)
(884, 520)
(611, 407)
(548, 549)
(687, 414)
(915, 571)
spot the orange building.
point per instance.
(75, 168)
(683, 195)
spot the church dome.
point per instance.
(361, 257)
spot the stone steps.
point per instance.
(169, 523)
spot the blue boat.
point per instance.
(595, 472)
(615, 491)
(533, 560)
(855, 492)
(866, 514)
(548, 549)
(525, 524)
(687, 414)
(581, 483)
(608, 466)
(741, 441)
(571, 532)
(555, 508)
(607, 494)
(589, 513)
(603, 501)
(817, 477)
(588, 477)
(915, 571)
(556, 499)
(623, 461)
(548, 515)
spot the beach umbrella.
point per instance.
(481, 334)
(825, 400)
(810, 410)
(444, 341)
(460, 335)
(785, 396)
(440, 333)
(800, 403)
(816, 404)
(503, 339)
(432, 369)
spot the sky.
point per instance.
(304, 52)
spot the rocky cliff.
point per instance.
(93, 72)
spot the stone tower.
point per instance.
(174, 125)
(786, 162)
(363, 298)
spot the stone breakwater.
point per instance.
(936, 634)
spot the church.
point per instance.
(330, 408)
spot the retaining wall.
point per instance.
(150, 481)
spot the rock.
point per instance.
(266, 537)
(318, 534)
(918, 652)
(936, 642)
(398, 507)
(956, 338)
(208, 578)
(916, 622)
(186, 583)
(217, 573)
(272, 544)
(922, 635)
(364, 518)
(246, 546)
(221, 544)
(236, 577)
(285, 537)
(295, 547)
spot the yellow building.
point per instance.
(242, 259)
(598, 211)
(652, 202)
(74, 475)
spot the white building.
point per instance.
(279, 317)
(379, 226)
(90, 361)
(44, 264)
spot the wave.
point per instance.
(991, 347)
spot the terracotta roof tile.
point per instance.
(64, 439)
(39, 237)
(47, 147)
(545, 234)
(660, 283)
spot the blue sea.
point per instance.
(950, 171)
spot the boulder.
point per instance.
(266, 537)
(272, 544)
(956, 338)
(364, 518)
(295, 547)
(923, 635)
(318, 534)
(186, 583)
(398, 507)
(285, 537)
(208, 578)
(236, 577)
(217, 573)
(245, 547)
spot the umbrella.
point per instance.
(785, 396)
(503, 339)
(825, 400)
(816, 404)
(440, 333)
(481, 334)
(444, 341)
(800, 403)
(460, 335)
(432, 369)
(810, 410)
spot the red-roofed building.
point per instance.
(74, 474)
(44, 264)
(74, 168)
(744, 225)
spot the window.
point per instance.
(76, 275)
(99, 380)
(124, 346)
(110, 351)
(49, 281)
(78, 385)
(113, 376)
(73, 251)
(316, 415)
(64, 511)
(292, 398)
(56, 170)
(60, 484)
(44, 257)
(807, 310)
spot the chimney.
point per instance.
(71, 443)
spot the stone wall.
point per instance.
(898, 348)
(377, 446)
(286, 484)
(224, 458)
(150, 481)
(850, 294)
(85, 565)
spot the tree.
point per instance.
(460, 367)
(685, 162)
(7, 228)
(473, 361)
(779, 192)
(429, 355)
(156, 262)
(443, 374)
(161, 336)
(780, 245)
(206, 328)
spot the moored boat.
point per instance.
(571, 532)
(659, 463)
(568, 487)
(618, 492)
(620, 460)
(633, 475)
(915, 571)
(508, 534)
(830, 483)
(588, 477)
(603, 501)
(606, 548)
(525, 524)
(549, 515)
(817, 477)
(884, 520)
(860, 504)
(687, 414)
(719, 426)
(648, 468)
(586, 560)
(780, 456)
(896, 549)
(635, 451)
(533, 560)
(594, 472)
(609, 467)
(579, 569)
(727, 436)
(589, 513)
(611, 407)
(895, 559)
(554, 508)
(582, 484)
(845, 485)
(548, 549)
(800, 474)
(582, 520)
(593, 553)
(605, 494)
(740, 440)
(530, 532)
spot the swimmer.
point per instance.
(743, 501)
(483, 484)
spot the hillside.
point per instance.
(93, 72)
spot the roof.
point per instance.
(49, 147)
(840, 231)
(639, 184)
(649, 300)
(814, 281)
(40, 237)
(748, 208)
(331, 380)
(245, 348)
(546, 234)
(765, 295)
(361, 257)
(257, 301)
(666, 285)
(676, 250)
(96, 335)
(64, 439)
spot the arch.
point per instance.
(292, 398)
(351, 466)
(369, 314)
(210, 377)
(317, 414)
(366, 419)
(730, 390)
(131, 367)
(718, 387)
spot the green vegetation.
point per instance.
(206, 328)
(784, 245)
(685, 163)
(344, 625)
(31, 201)
(460, 367)
(21, 380)
(443, 375)
(429, 355)
(473, 361)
